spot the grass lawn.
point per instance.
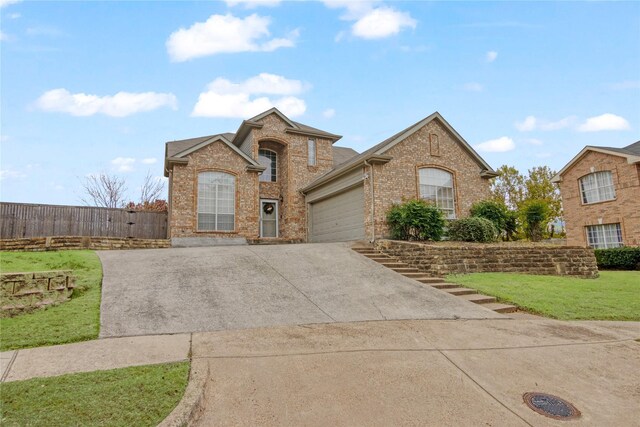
(138, 396)
(615, 295)
(74, 320)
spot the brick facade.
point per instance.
(397, 180)
(624, 209)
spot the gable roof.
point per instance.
(630, 152)
(176, 151)
(292, 127)
(377, 152)
(342, 154)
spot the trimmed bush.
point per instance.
(493, 211)
(416, 220)
(472, 229)
(618, 258)
(535, 214)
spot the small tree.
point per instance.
(511, 225)
(104, 190)
(416, 220)
(494, 211)
(151, 189)
(535, 214)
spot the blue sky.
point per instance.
(90, 87)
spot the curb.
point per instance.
(191, 404)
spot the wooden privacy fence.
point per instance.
(20, 220)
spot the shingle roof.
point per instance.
(631, 152)
(175, 147)
(342, 154)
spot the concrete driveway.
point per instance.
(217, 288)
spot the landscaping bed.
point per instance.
(615, 295)
(75, 320)
(137, 396)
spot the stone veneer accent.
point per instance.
(26, 291)
(450, 258)
(398, 180)
(625, 209)
(38, 244)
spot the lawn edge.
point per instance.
(191, 405)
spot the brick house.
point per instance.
(600, 190)
(279, 179)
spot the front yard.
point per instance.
(71, 321)
(138, 396)
(615, 295)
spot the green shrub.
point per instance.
(494, 211)
(416, 220)
(472, 229)
(618, 258)
(511, 226)
(535, 214)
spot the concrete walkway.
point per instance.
(405, 372)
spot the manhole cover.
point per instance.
(551, 406)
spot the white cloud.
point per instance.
(11, 174)
(491, 56)
(119, 105)
(371, 22)
(252, 4)
(606, 121)
(626, 85)
(149, 161)
(4, 3)
(382, 22)
(123, 164)
(532, 123)
(473, 87)
(44, 32)
(499, 145)
(534, 141)
(225, 34)
(329, 113)
(224, 98)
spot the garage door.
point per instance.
(339, 218)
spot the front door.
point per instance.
(268, 218)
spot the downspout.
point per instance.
(373, 204)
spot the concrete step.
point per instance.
(393, 264)
(406, 270)
(364, 250)
(416, 276)
(479, 298)
(437, 281)
(380, 258)
(500, 308)
(443, 285)
(461, 291)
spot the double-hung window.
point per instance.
(597, 187)
(436, 185)
(604, 236)
(311, 149)
(216, 201)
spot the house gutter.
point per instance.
(373, 204)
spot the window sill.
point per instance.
(599, 202)
(215, 232)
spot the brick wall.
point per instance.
(26, 291)
(442, 259)
(625, 209)
(38, 244)
(398, 179)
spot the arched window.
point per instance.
(436, 185)
(269, 159)
(216, 201)
(597, 187)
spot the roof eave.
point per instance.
(372, 159)
(329, 136)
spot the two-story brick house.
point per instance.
(279, 179)
(600, 190)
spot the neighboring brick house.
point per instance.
(600, 190)
(279, 179)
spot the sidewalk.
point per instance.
(94, 355)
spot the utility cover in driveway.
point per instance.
(158, 291)
(339, 218)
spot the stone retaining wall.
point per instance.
(80, 242)
(450, 258)
(26, 291)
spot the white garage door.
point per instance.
(339, 218)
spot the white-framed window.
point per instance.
(216, 201)
(311, 149)
(269, 159)
(597, 187)
(604, 236)
(436, 185)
